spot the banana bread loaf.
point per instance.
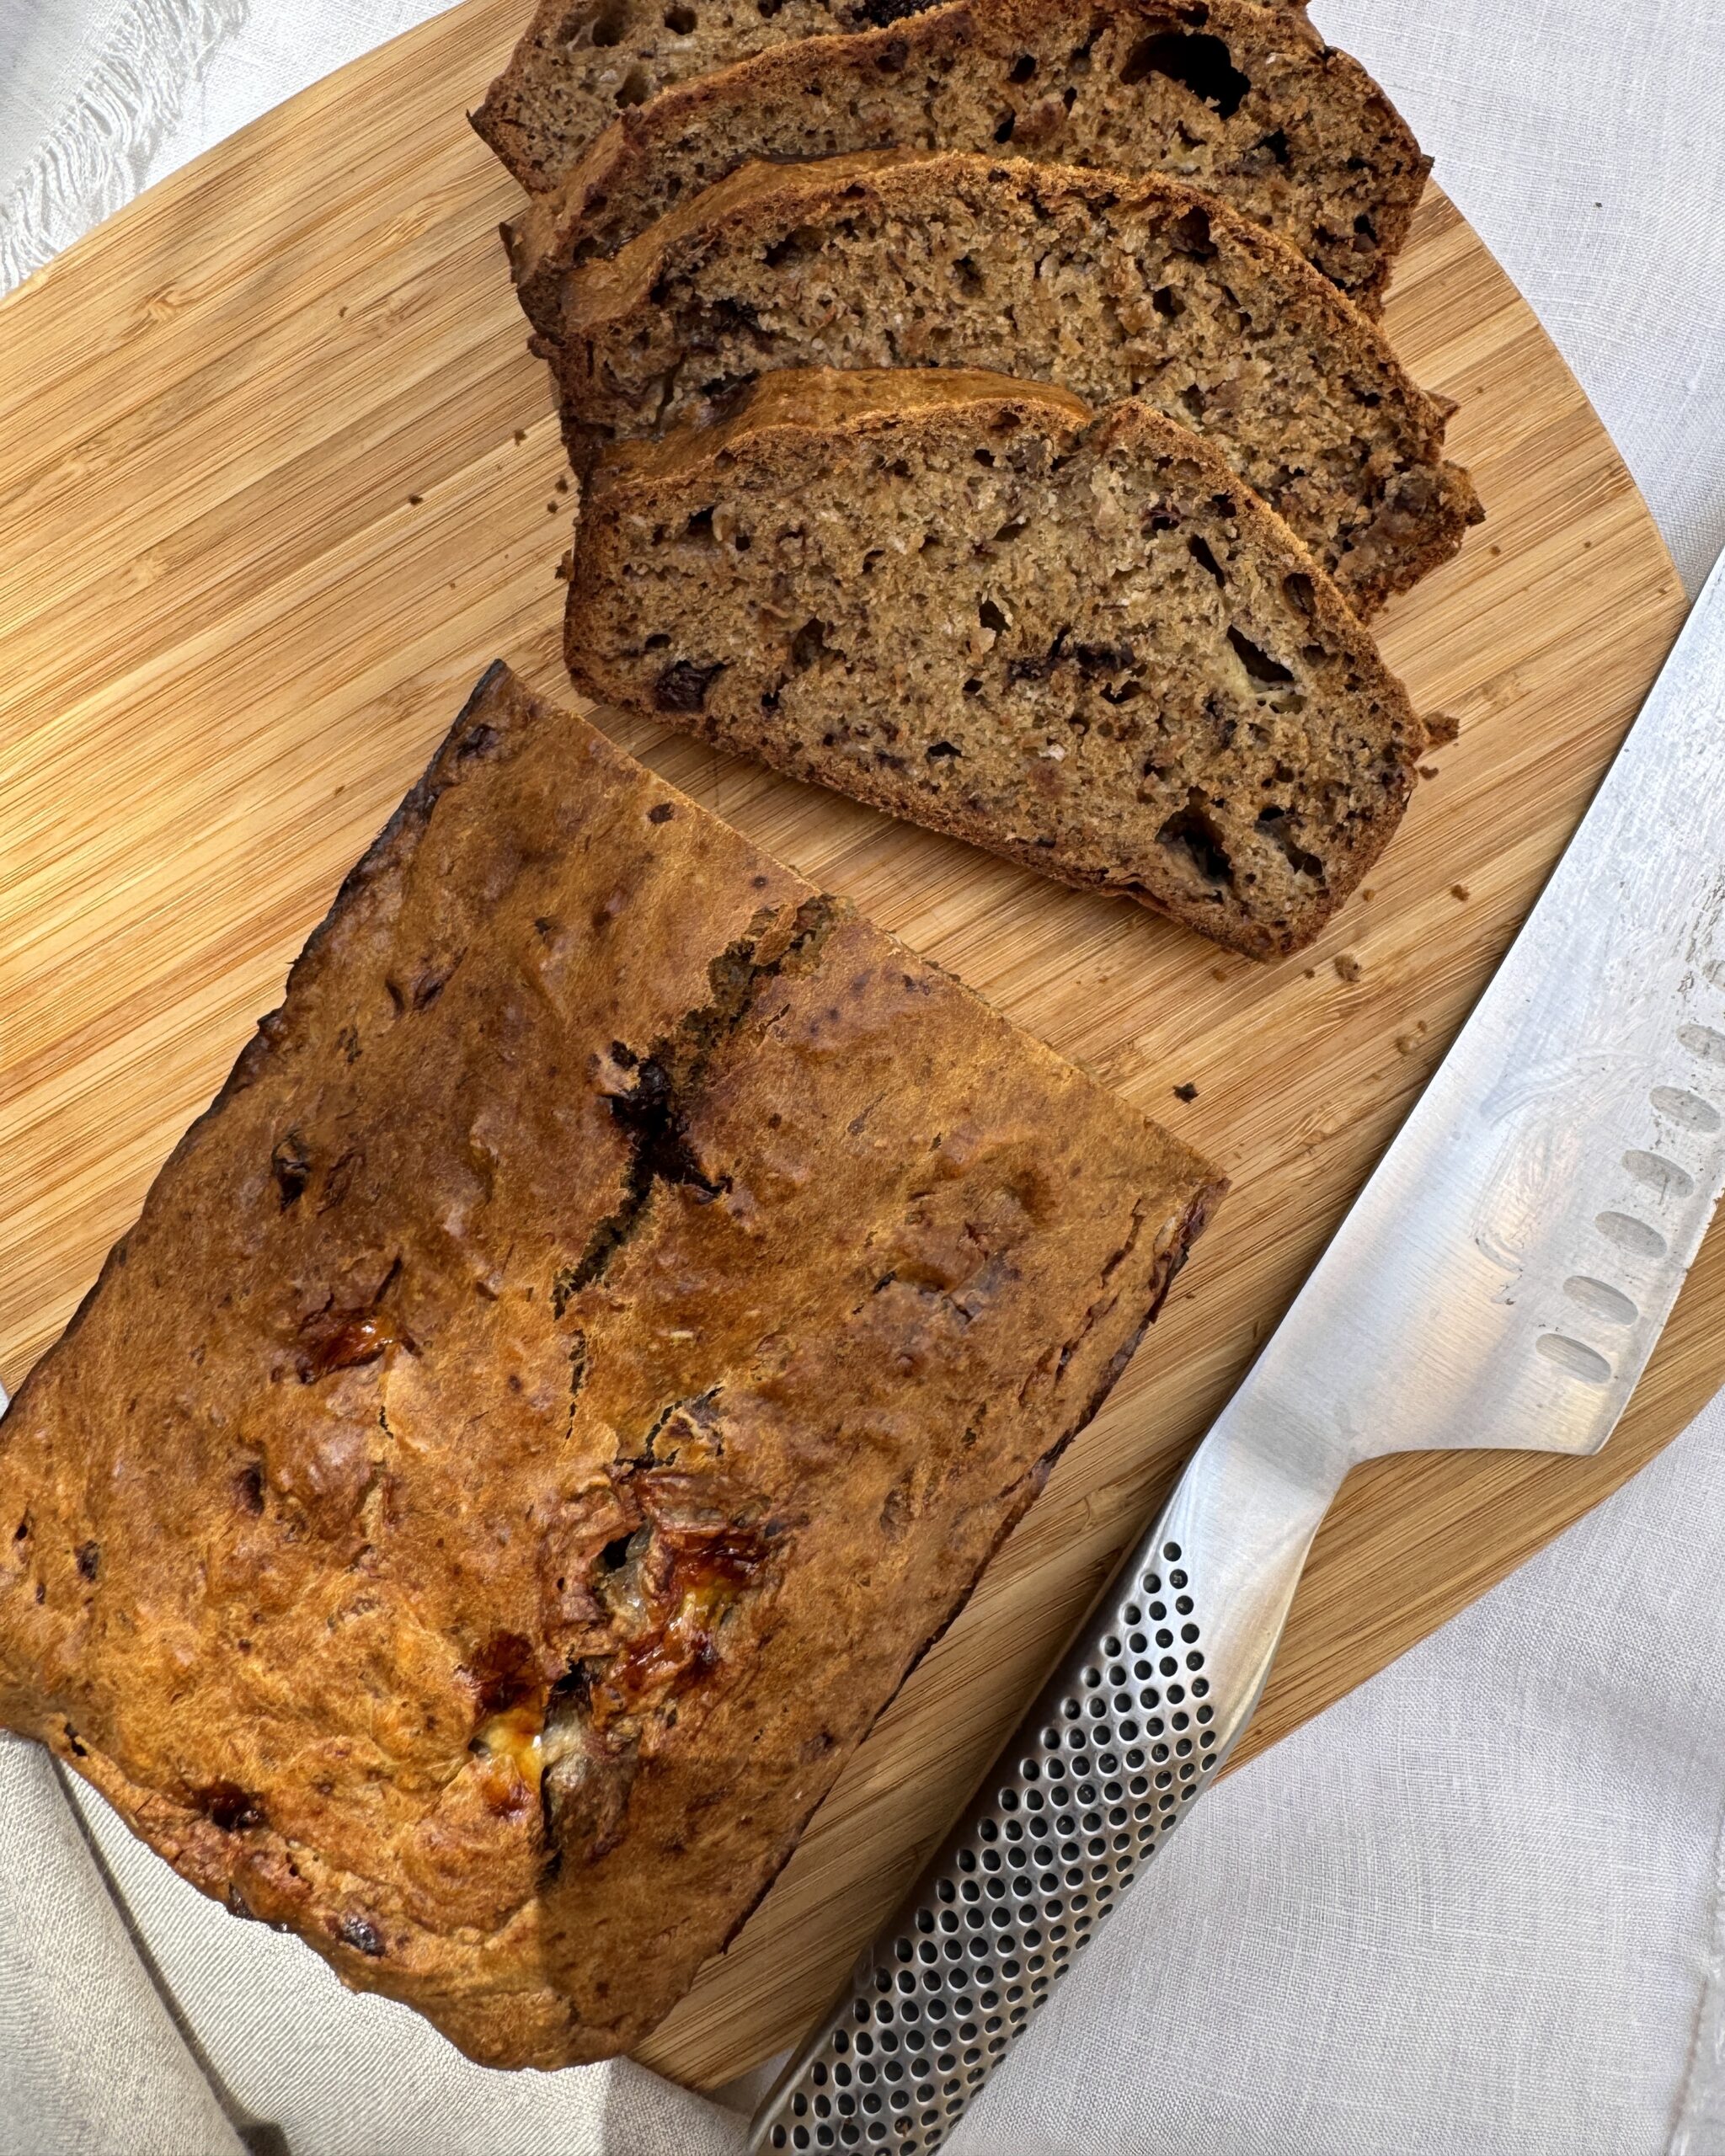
(580, 62)
(1245, 102)
(1077, 641)
(601, 1328)
(1110, 288)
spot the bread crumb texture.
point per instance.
(1110, 288)
(1247, 103)
(1078, 641)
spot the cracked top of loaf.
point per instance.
(590, 1346)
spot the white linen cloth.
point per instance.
(1479, 1907)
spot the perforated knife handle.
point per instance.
(1127, 1733)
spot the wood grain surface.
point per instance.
(277, 478)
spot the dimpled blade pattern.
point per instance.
(1119, 1743)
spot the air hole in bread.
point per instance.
(609, 25)
(680, 21)
(791, 248)
(1205, 559)
(1257, 662)
(1191, 235)
(1191, 837)
(1201, 64)
(1272, 823)
(635, 88)
(809, 644)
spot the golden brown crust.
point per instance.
(825, 400)
(1109, 285)
(1162, 693)
(1244, 101)
(604, 1322)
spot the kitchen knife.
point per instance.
(1501, 1281)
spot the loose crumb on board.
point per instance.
(520, 436)
(1188, 1092)
(1461, 893)
(1347, 966)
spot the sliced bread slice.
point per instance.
(1076, 639)
(580, 62)
(1108, 287)
(1247, 101)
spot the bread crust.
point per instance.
(1109, 784)
(591, 1342)
(1244, 101)
(1109, 285)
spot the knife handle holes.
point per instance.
(1574, 1355)
(1689, 1109)
(1601, 1300)
(1635, 1237)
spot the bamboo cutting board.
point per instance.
(277, 479)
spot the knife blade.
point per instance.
(1500, 1281)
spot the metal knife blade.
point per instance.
(1500, 1281)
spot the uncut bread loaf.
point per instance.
(580, 62)
(1110, 288)
(603, 1326)
(1076, 640)
(1245, 102)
